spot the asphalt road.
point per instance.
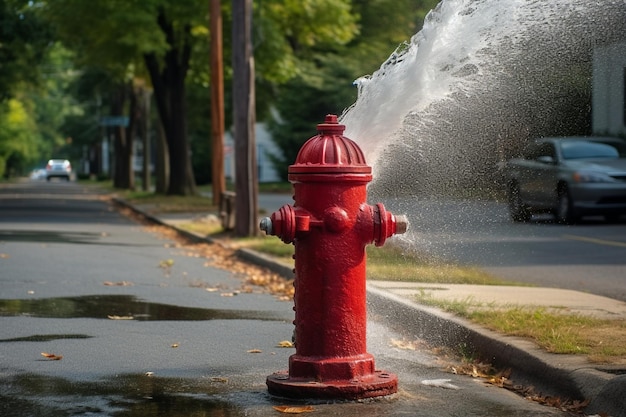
(187, 351)
(589, 256)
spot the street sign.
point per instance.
(114, 121)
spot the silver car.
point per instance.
(570, 177)
(60, 168)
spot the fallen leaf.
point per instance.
(121, 317)
(441, 383)
(175, 345)
(255, 351)
(285, 344)
(118, 284)
(292, 409)
(51, 356)
(219, 379)
(227, 294)
(166, 263)
(404, 344)
(4, 256)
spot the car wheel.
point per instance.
(517, 210)
(564, 209)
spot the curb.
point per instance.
(557, 375)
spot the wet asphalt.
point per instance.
(145, 328)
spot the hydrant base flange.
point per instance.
(378, 384)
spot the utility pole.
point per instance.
(217, 103)
(244, 119)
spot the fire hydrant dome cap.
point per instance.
(330, 152)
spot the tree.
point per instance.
(323, 83)
(25, 41)
(18, 137)
(24, 46)
(156, 36)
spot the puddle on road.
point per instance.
(45, 337)
(121, 396)
(48, 236)
(104, 306)
(143, 396)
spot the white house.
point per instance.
(264, 147)
(609, 90)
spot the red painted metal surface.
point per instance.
(330, 224)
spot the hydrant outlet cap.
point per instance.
(266, 225)
(402, 224)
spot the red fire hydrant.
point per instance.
(331, 223)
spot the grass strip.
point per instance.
(603, 341)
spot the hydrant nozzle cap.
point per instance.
(402, 224)
(266, 225)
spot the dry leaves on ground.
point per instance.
(113, 317)
(293, 409)
(225, 258)
(502, 379)
(118, 284)
(51, 356)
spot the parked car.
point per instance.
(60, 168)
(570, 177)
(38, 174)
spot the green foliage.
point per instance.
(18, 137)
(289, 32)
(323, 82)
(24, 39)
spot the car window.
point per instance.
(588, 150)
(537, 150)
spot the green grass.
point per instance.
(601, 340)
(391, 263)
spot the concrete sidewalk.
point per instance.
(394, 303)
(560, 300)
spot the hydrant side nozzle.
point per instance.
(402, 224)
(266, 225)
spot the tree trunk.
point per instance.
(246, 187)
(168, 79)
(123, 177)
(144, 129)
(162, 168)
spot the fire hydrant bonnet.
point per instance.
(330, 152)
